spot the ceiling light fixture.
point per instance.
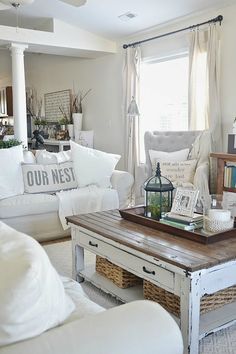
(127, 16)
(16, 3)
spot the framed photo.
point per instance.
(185, 201)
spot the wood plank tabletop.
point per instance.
(186, 254)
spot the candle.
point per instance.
(219, 214)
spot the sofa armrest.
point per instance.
(135, 328)
(122, 181)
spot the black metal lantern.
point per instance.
(158, 195)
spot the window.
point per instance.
(163, 96)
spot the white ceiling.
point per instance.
(101, 16)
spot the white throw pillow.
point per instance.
(179, 171)
(11, 180)
(44, 157)
(92, 166)
(32, 295)
(162, 156)
(48, 178)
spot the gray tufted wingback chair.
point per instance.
(199, 143)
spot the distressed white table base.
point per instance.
(189, 286)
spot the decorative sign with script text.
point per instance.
(53, 102)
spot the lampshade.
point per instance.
(133, 110)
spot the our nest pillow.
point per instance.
(92, 166)
(48, 178)
(32, 296)
(11, 180)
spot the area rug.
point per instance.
(222, 342)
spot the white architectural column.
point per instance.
(18, 90)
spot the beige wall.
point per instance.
(103, 107)
(49, 73)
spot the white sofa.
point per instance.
(43, 313)
(37, 214)
(135, 328)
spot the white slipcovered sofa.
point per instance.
(37, 214)
(42, 313)
(140, 327)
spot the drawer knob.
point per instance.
(148, 271)
(93, 244)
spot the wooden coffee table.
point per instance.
(183, 267)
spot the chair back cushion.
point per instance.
(168, 141)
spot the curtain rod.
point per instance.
(213, 20)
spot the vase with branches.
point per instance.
(65, 116)
(34, 109)
(77, 100)
(77, 111)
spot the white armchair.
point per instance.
(199, 143)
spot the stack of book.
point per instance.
(230, 175)
(183, 222)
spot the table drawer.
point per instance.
(127, 260)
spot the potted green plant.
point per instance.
(9, 143)
(63, 123)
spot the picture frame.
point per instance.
(52, 103)
(185, 201)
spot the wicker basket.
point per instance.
(171, 302)
(116, 274)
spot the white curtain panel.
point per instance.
(204, 98)
(131, 79)
(204, 102)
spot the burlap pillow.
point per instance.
(48, 178)
(179, 171)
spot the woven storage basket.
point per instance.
(116, 274)
(171, 302)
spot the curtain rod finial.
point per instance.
(219, 19)
(125, 46)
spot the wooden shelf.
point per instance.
(222, 159)
(232, 190)
(224, 156)
(124, 295)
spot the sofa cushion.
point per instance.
(28, 204)
(48, 178)
(32, 295)
(29, 157)
(93, 166)
(11, 181)
(46, 158)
